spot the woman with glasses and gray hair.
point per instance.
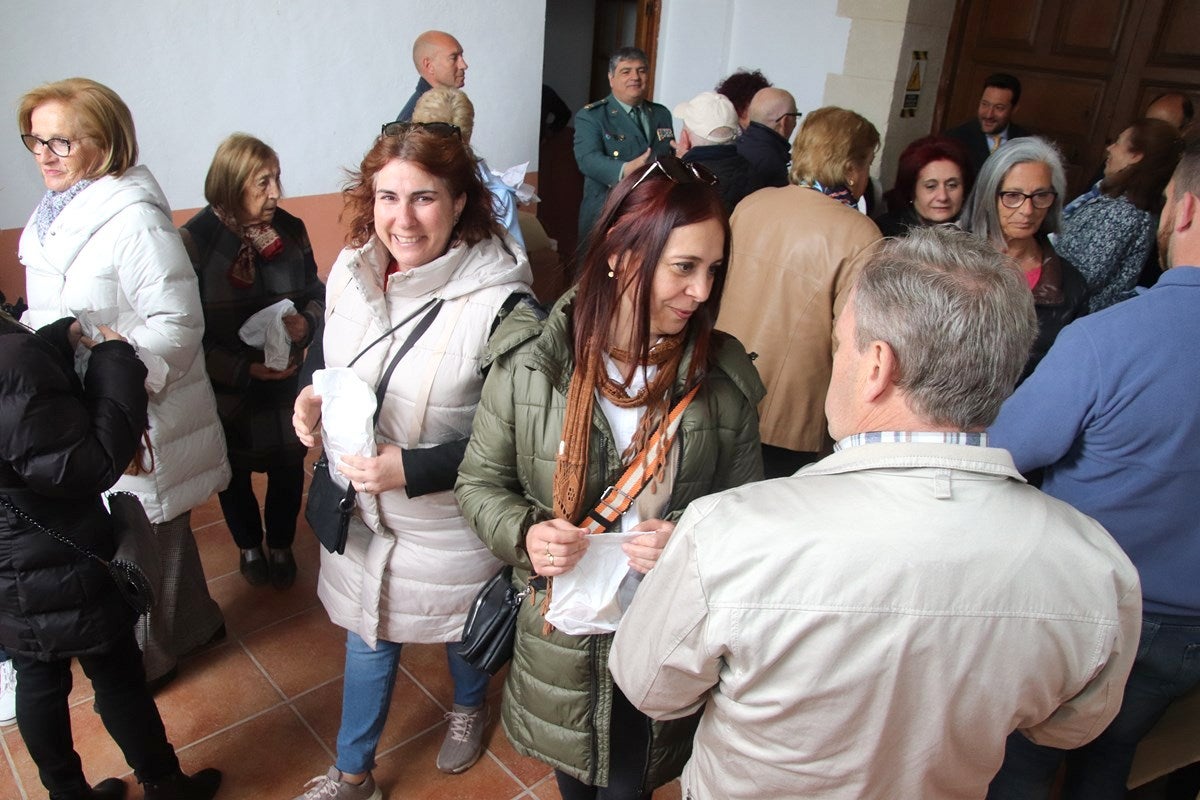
(572, 399)
(101, 247)
(1016, 205)
(426, 264)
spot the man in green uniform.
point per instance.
(616, 135)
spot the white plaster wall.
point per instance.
(883, 34)
(314, 79)
(851, 53)
(796, 43)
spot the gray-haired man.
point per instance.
(876, 625)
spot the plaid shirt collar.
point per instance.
(920, 437)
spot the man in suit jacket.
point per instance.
(993, 124)
(617, 135)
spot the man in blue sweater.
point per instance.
(1113, 414)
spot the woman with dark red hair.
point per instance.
(571, 399)
(932, 181)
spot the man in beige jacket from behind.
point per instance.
(876, 625)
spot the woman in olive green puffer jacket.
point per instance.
(652, 283)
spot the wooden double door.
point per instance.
(1087, 67)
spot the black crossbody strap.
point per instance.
(434, 306)
(8, 503)
(388, 333)
(416, 334)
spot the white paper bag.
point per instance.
(265, 330)
(347, 417)
(592, 597)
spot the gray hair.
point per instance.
(957, 314)
(626, 54)
(1187, 174)
(981, 213)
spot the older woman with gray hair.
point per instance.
(1016, 205)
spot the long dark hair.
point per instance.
(1142, 183)
(438, 153)
(634, 227)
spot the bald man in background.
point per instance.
(1174, 108)
(764, 143)
(439, 60)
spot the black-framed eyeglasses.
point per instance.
(58, 145)
(438, 128)
(1040, 200)
(796, 114)
(678, 171)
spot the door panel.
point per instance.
(1176, 40)
(1090, 28)
(1087, 67)
(1008, 24)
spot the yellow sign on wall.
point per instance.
(912, 91)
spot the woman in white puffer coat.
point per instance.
(421, 231)
(101, 247)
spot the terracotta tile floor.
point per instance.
(264, 704)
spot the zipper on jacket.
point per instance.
(649, 749)
(595, 696)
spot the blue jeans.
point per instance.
(1167, 667)
(367, 693)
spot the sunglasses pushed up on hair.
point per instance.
(438, 128)
(678, 171)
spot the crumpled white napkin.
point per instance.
(514, 178)
(592, 597)
(347, 417)
(265, 330)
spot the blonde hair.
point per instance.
(235, 162)
(447, 105)
(829, 141)
(99, 113)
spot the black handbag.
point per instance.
(329, 506)
(136, 548)
(487, 640)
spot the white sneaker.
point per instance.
(8, 693)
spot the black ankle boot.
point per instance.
(109, 789)
(201, 786)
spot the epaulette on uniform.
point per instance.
(595, 104)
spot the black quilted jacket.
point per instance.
(62, 443)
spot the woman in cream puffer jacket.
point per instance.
(423, 246)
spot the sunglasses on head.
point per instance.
(678, 171)
(438, 128)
